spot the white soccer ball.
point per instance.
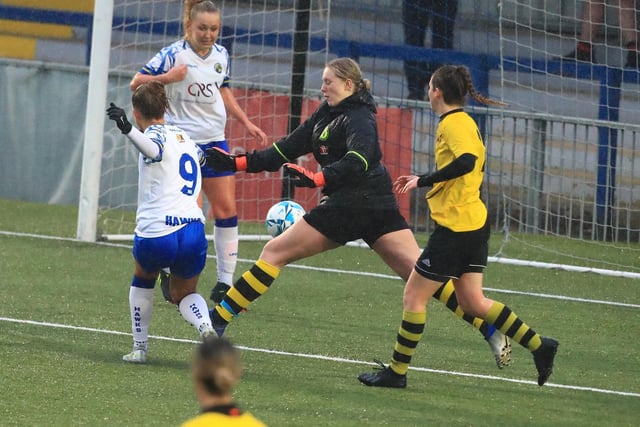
(283, 215)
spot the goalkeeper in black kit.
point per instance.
(359, 202)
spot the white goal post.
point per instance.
(94, 121)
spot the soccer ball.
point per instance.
(282, 215)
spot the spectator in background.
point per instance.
(593, 17)
(216, 371)
(416, 15)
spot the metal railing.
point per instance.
(547, 174)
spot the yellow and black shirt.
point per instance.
(223, 416)
(456, 203)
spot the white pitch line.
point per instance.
(505, 291)
(351, 272)
(325, 358)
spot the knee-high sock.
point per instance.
(248, 288)
(194, 310)
(141, 307)
(408, 337)
(225, 240)
(446, 294)
(507, 322)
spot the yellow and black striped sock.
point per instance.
(446, 295)
(507, 322)
(248, 288)
(408, 337)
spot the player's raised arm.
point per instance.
(175, 74)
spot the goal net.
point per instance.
(562, 180)
(568, 152)
(259, 36)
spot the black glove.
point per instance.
(118, 115)
(221, 161)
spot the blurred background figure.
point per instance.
(216, 371)
(416, 16)
(593, 17)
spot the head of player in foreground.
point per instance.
(216, 371)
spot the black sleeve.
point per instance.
(460, 166)
(296, 144)
(269, 159)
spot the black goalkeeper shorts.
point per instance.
(344, 225)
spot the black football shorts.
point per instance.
(343, 225)
(450, 254)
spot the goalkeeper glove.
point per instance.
(302, 177)
(118, 115)
(221, 161)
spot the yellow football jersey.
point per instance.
(210, 419)
(456, 203)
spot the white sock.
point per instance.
(225, 240)
(141, 306)
(194, 310)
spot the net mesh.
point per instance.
(561, 167)
(259, 37)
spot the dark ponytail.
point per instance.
(455, 83)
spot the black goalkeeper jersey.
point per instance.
(344, 141)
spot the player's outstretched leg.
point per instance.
(250, 286)
(498, 342)
(543, 349)
(141, 307)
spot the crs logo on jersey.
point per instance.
(198, 89)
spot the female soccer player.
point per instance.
(169, 223)
(216, 371)
(458, 247)
(342, 134)
(195, 71)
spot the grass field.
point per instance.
(64, 326)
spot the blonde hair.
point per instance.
(216, 366)
(455, 83)
(193, 7)
(348, 69)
